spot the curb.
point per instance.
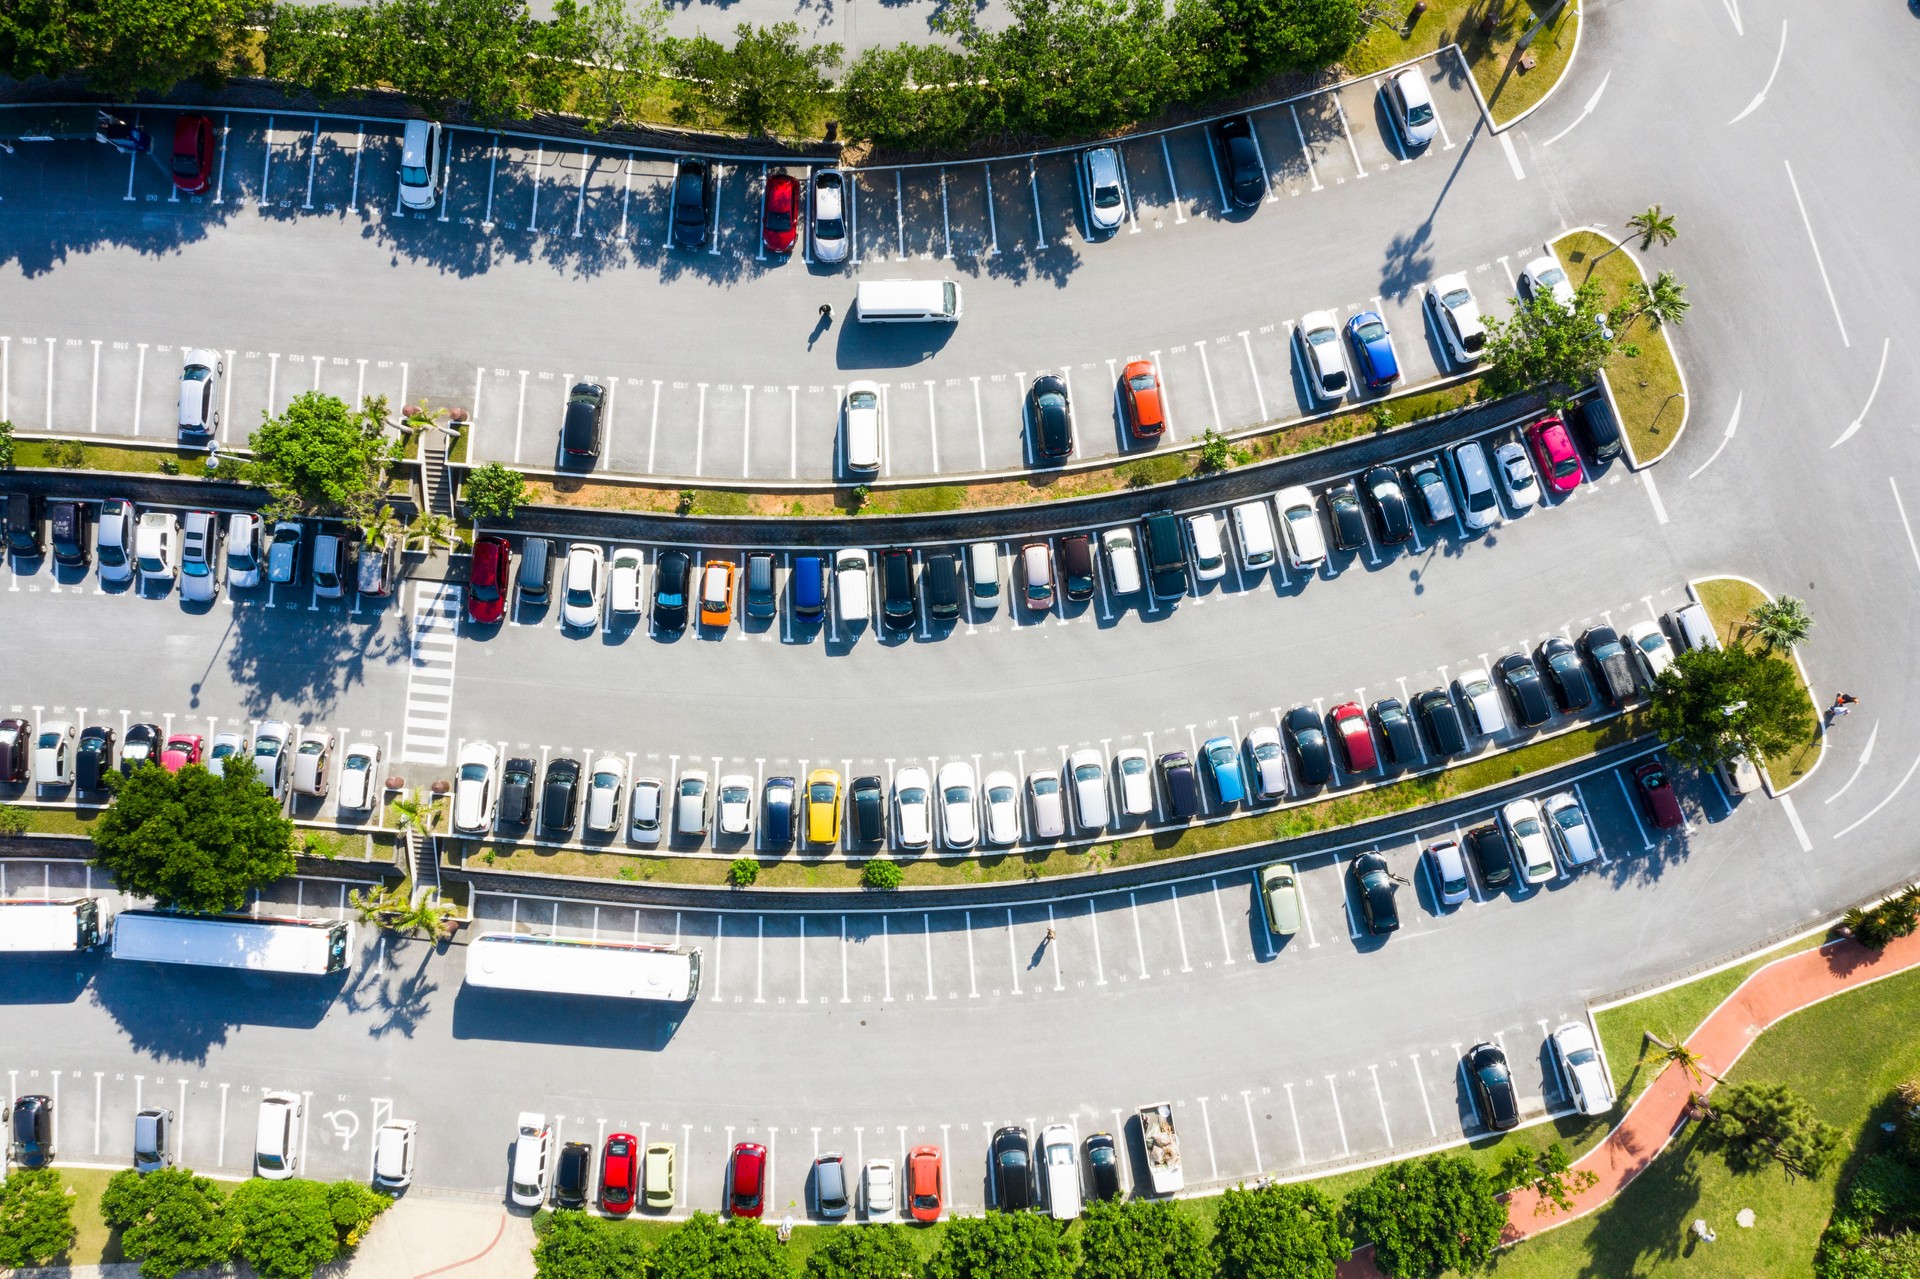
(1673, 349)
(1573, 57)
(1805, 682)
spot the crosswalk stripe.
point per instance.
(429, 713)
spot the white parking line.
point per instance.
(1207, 370)
(1039, 222)
(1206, 1122)
(1381, 1097)
(1513, 157)
(1334, 1093)
(993, 229)
(1172, 185)
(539, 164)
(1433, 1128)
(493, 165)
(1306, 152)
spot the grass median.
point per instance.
(1509, 87)
(1728, 601)
(1642, 369)
(77, 455)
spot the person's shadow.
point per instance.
(821, 326)
(1039, 953)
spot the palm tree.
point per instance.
(1663, 302)
(380, 527)
(393, 909)
(1653, 224)
(1674, 1052)
(1781, 623)
(417, 810)
(435, 530)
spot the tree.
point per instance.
(1426, 1216)
(1543, 344)
(379, 526)
(391, 906)
(473, 52)
(125, 45)
(321, 48)
(36, 1222)
(13, 820)
(435, 529)
(6, 445)
(572, 1245)
(1662, 303)
(865, 1252)
(354, 1208)
(702, 1248)
(169, 1221)
(195, 840)
(1548, 1173)
(321, 458)
(912, 95)
(1002, 1246)
(881, 873)
(283, 1229)
(418, 810)
(493, 491)
(768, 80)
(1781, 623)
(1714, 703)
(742, 871)
(1756, 1124)
(1142, 1239)
(1672, 1051)
(1287, 35)
(620, 43)
(1068, 66)
(1278, 1232)
(1654, 223)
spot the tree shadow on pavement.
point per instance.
(305, 667)
(393, 988)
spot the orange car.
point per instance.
(923, 1183)
(1146, 416)
(716, 593)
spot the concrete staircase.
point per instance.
(435, 481)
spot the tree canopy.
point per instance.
(865, 1252)
(169, 1221)
(125, 45)
(767, 80)
(319, 457)
(195, 840)
(1142, 1239)
(36, 1223)
(573, 1245)
(1002, 1245)
(703, 1248)
(1425, 1216)
(1278, 1232)
(1757, 1124)
(493, 491)
(1543, 344)
(1712, 704)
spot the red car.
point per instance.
(182, 749)
(193, 153)
(1553, 452)
(488, 579)
(1140, 388)
(747, 1195)
(619, 1174)
(1657, 789)
(780, 214)
(1356, 737)
(923, 1183)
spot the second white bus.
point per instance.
(580, 966)
(255, 943)
(31, 925)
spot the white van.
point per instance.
(862, 417)
(1209, 556)
(907, 301)
(1694, 627)
(1253, 528)
(274, 1148)
(852, 569)
(1123, 561)
(1061, 1171)
(983, 566)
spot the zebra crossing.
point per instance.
(434, 627)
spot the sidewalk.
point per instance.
(425, 1235)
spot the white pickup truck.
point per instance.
(1163, 1148)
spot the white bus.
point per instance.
(256, 943)
(579, 966)
(35, 924)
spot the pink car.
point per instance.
(1554, 454)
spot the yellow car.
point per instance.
(716, 593)
(823, 807)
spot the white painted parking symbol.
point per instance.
(346, 1125)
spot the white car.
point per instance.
(1449, 870)
(623, 581)
(878, 1193)
(1001, 793)
(852, 596)
(736, 804)
(1571, 829)
(861, 424)
(114, 538)
(1049, 806)
(1122, 558)
(1253, 530)
(1209, 556)
(393, 1154)
(1135, 772)
(478, 765)
(1477, 694)
(1738, 775)
(912, 814)
(359, 777)
(1060, 1172)
(1528, 835)
(643, 810)
(1321, 355)
(313, 763)
(958, 826)
(1579, 1062)
(829, 216)
(225, 744)
(276, 1140)
(1106, 202)
(1479, 505)
(1650, 643)
(1300, 530)
(1515, 471)
(1411, 104)
(532, 1150)
(586, 575)
(690, 803)
(199, 384)
(1088, 773)
(1456, 315)
(156, 546)
(604, 785)
(1269, 775)
(420, 164)
(271, 758)
(1546, 275)
(200, 557)
(245, 549)
(53, 754)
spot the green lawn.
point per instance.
(1728, 601)
(1509, 89)
(1646, 386)
(101, 457)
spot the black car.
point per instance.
(899, 600)
(1391, 514)
(67, 524)
(776, 811)
(1240, 160)
(24, 513)
(560, 797)
(1074, 561)
(13, 750)
(868, 798)
(33, 1131)
(94, 758)
(1526, 691)
(1052, 417)
(941, 577)
(573, 1175)
(1344, 514)
(1445, 733)
(759, 590)
(1430, 491)
(580, 431)
(516, 792)
(670, 584)
(1492, 1083)
(1012, 1170)
(1374, 885)
(1609, 657)
(141, 747)
(1103, 1165)
(692, 204)
(1488, 847)
(1598, 430)
(1566, 676)
(1307, 738)
(1400, 744)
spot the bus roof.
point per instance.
(570, 965)
(265, 944)
(40, 924)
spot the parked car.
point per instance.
(93, 758)
(1300, 530)
(1351, 726)
(1140, 394)
(899, 593)
(1268, 760)
(646, 809)
(912, 808)
(1572, 832)
(573, 1175)
(879, 1193)
(156, 546)
(1554, 453)
(1611, 662)
(1431, 496)
(1106, 202)
(1520, 818)
(692, 204)
(1223, 766)
(334, 555)
(1394, 727)
(832, 1194)
(1000, 806)
(1578, 1059)
(1479, 502)
(560, 796)
(360, 778)
(1307, 739)
(1280, 898)
(192, 167)
(716, 594)
(581, 588)
(923, 1183)
(692, 803)
(1482, 703)
(527, 1169)
(780, 213)
(746, 1180)
(181, 750)
(1076, 567)
(1410, 103)
(670, 586)
(1135, 776)
(1051, 417)
(1456, 317)
(153, 1139)
(517, 782)
(1656, 790)
(1240, 165)
(420, 164)
(1492, 1084)
(657, 1180)
(823, 807)
(1204, 544)
(1036, 571)
(624, 595)
(378, 565)
(1649, 643)
(1012, 1170)
(605, 785)
(619, 1174)
(1088, 774)
(1374, 885)
(200, 563)
(1565, 673)
(53, 754)
(1448, 870)
(1526, 691)
(1492, 854)
(582, 424)
(272, 752)
(867, 798)
(313, 763)
(1344, 514)
(487, 577)
(861, 431)
(114, 538)
(1373, 352)
(758, 599)
(1515, 473)
(200, 372)
(283, 552)
(1048, 803)
(1103, 1165)
(1392, 514)
(829, 217)
(777, 811)
(852, 589)
(1322, 359)
(276, 1155)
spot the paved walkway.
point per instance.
(1780, 989)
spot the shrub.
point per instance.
(880, 873)
(494, 491)
(743, 872)
(13, 821)
(70, 454)
(6, 445)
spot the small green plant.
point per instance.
(13, 821)
(1215, 453)
(6, 444)
(743, 872)
(169, 466)
(489, 857)
(881, 874)
(630, 872)
(67, 453)
(494, 491)
(861, 493)
(1384, 418)
(685, 504)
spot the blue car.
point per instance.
(1373, 350)
(1223, 761)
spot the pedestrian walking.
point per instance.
(1049, 934)
(1843, 704)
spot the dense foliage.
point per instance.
(169, 1221)
(36, 1223)
(1714, 703)
(1278, 1232)
(1427, 1216)
(195, 840)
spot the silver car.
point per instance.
(1322, 359)
(1049, 807)
(1089, 776)
(829, 215)
(156, 546)
(272, 756)
(1106, 200)
(1449, 870)
(244, 550)
(199, 386)
(113, 540)
(420, 164)
(200, 561)
(586, 576)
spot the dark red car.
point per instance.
(780, 215)
(1554, 454)
(747, 1195)
(488, 580)
(1355, 732)
(1656, 787)
(619, 1174)
(193, 153)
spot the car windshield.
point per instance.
(1551, 278)
(1493, 1075)
(112, 556)
(1653, 779)
(827, 229)
(195, 566)
(1320, 337)
(863, 400)
(413, 175)
(958, 795)
(1106, 197)
(1451, 883)
(1526, 828)
(1266, 751)
(1133, 766)
(1419, 113)
(1652, 643)
(1086, 773)
(912, 797)
(1569, 818)
(1141, 382)
(1045, 786)
(240, 559)
(1454, 299)
(358, 763)
(1581, 1057)
(1000, 795)
(728, 794)
(1565, 467)
(1479, 688)
(1372, 331)
(473, 772)
(820, 793)
(266, 747)
(186, 163)
(196, 373)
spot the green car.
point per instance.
(1280, 895)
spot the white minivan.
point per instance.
(983, 567)
(1061, 1171)
(1123, 561)
(1253, 529)
(907, 301)
(862, 428)
(1209, 556)
(275, 1147)
(1694, 627)
(419, 164)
